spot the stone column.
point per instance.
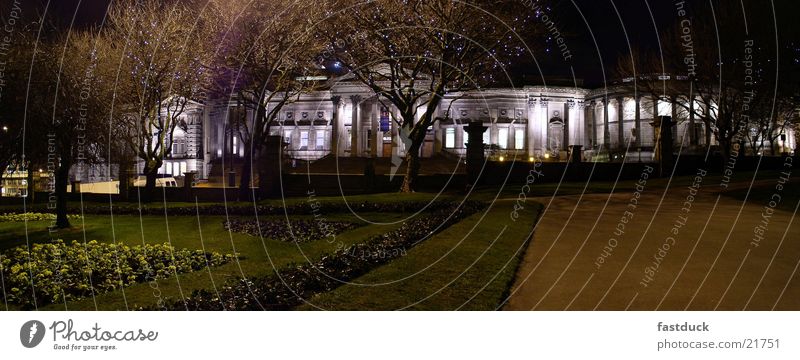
(580, 123)
(566, 141)
(354, 125)
(674, 116)
(375, 128)
(545, 123)
(335, 123)
(638, 121)
(621, 122)
(529, 126)
(593, 123)
(692, 134)
(606, 131)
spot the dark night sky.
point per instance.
(588, 59)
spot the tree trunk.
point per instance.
(62, 179)
(151, 173)
(725, 148)
(412, 168)
(31, 185)
(245, 193)
(124, 180)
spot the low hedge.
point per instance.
(297, 231)
(301, 281)
(30, 216)
(304, 208)
(73, 271)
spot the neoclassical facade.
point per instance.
(346, 119)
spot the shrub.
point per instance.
(72, 271)
(29, 216)
(302, 281)
(299, 231)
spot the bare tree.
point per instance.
(264, 48)
(410, 53)
(65, 111)
(162, 49)
(728, 69)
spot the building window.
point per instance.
(502, 138)
(450, 138)
(287, 136)
(487, 136)
(320, 139)
(519, 139)
(178, 147)
(304, 140)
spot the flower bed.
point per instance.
(299, 231)
(72, 271)
(302, 281)
(29, 216)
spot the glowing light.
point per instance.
(502, 159)
(546, 156)
(530, 159)
(5, 128)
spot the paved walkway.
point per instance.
(683, 253)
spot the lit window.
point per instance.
(487, 136)
(519, 139)
(502, 138)
(304, 139)
(320, 140)
(450, 138)
(664, 108)
(287, 136)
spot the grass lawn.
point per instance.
(469, 266)
(184, 232)
(547, 189)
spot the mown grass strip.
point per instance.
(469, 266)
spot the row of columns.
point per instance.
(338, 128)
(592, 123)
(537, 127)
